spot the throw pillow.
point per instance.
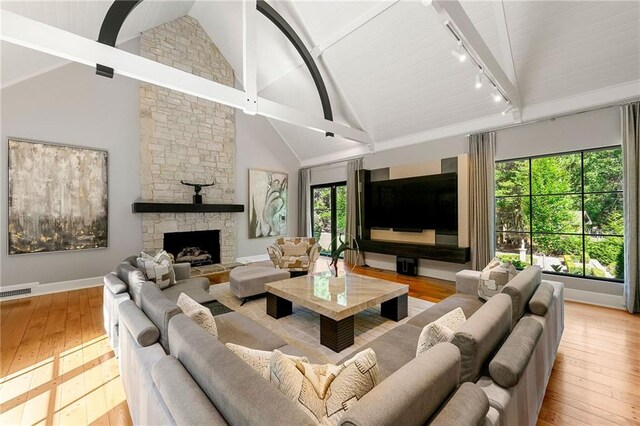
(155, 272)
(494, 277)
(163, 258)
(259, 360)
(325, 392)
(198, 313)
(295, 248)
(441, 330)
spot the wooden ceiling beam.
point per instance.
(35, 35)
(452, 13)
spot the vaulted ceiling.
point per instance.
(387, 65)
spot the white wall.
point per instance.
(258, 146)
(582, 131)
(72, 105)
(329, 174)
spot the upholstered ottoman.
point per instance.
(247, 281)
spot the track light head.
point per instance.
(458, 53)
(479, 80)
(497, 96)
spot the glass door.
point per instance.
(328, 214)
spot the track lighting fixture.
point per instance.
(479, 79)
(458, 53)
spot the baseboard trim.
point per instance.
(252, 259)
(593, 298)
(57, 287)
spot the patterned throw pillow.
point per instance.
(295, 247)
(163, 258)
(155, 272)
(259, 360)
(441, 330)
(198, 313)
(325, 392)
(494, 277)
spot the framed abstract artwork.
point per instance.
(58, 197)
(268, 198)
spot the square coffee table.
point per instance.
(337, 300)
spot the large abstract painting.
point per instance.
(58, 197)
(267, 203)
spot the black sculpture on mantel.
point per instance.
(197, 198)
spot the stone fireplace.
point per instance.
(183, 137)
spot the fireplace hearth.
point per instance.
(197, 248)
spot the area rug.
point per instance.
(302, 328)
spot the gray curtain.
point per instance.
(354, 213)
(304, 203)
(482, 152)
(631, 167)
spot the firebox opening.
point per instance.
(195, 247)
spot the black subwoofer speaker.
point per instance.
(407, 266)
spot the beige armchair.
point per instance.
(297, 255)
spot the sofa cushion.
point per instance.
(521, 288)
(239, 393)
(114, 284)
(469, 304)
(133, 278)
(393, 349)
(468, 406)
(236, 328)
(512, 359)
(192, 288)
(325, 392)
(159, 309)
(186, 402)
(413, 394)
(441, 330)
(141, 328)
(295, 262)
(259, 360)
(541, 299)
(198, 314)
(482, 334)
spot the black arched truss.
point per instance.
(120, 9)
(111, 26)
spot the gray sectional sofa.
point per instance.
(125, 283)
(176, 373)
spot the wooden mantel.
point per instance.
(150, 207)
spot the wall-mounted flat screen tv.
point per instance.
(413, 204)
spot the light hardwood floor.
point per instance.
(57, 367)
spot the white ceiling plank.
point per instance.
(343, 32)
(284, 139)
(249, 58)
(453, 12)
(327, 70)
(293, 116)
(44, 38)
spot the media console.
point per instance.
(440, 252)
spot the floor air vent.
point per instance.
(15, 292)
